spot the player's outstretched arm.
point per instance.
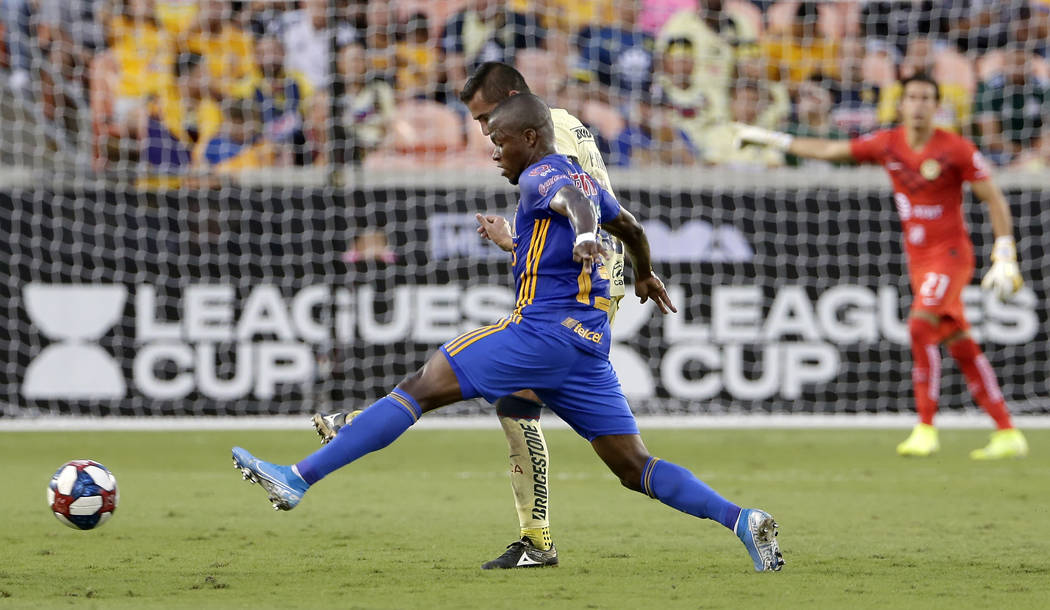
(1004, 278)
(627, 229)
(810, 148)
(570, 202)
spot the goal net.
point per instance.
(267, 207)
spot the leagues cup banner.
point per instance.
(290, 300)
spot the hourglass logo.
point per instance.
(74, 316)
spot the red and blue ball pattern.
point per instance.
(83, 494)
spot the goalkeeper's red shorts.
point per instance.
(937, 286)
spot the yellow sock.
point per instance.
(540, 536)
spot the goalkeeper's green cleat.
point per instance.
(328, 426)
(921, 443)
(1009, 443)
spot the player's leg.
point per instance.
(937, 287)
(519, 416)
(433, 386)
(926, 381)
(1007, 441)
(592, 402)
(677, 487)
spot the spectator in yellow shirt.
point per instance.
(135, 69)
(795, 54)
(183, 118)
(227, 50)
(239, 143)
(417, 60)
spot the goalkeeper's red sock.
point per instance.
(980, 378)
(925, 368)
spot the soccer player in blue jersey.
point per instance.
(557, 338)
(519, 413)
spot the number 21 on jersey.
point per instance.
(933, 287)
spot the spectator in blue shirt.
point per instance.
(616, 60)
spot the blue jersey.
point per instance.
(550, 286)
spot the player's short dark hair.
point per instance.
(495, 80)
(922, 77)
(524, 111)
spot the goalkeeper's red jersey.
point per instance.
(927, 188)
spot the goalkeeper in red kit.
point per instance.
(928, 167)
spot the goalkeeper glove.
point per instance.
(1004, 278)
(749, 134)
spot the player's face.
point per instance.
(918, 105)
(480, 110)
(511, 153)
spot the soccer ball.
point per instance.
(83, 494)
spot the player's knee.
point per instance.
(518, 407)
(964, 349)
(629, 471)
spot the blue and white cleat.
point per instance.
(758, 531)
(283, 484)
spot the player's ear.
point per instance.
(531, 136)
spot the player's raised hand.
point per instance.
(652, 288)
(1004, 278)
(495, 229)
(749, 134)
(588, 250)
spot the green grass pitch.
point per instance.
(408, 527)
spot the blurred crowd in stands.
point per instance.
(221, 85)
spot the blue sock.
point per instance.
(375, 428)
(678, 488)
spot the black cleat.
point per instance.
(523, 554)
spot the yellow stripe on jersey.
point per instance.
(539, 254)
(527, 290)
(501, 326)
(584, 280)
(404, 403)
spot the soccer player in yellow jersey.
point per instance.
(519, 413)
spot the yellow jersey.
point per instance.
(573, 139)
(229, 57)
(144, 54)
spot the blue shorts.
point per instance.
(582, 388)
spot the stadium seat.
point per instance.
(426, 128)
(951, 67)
